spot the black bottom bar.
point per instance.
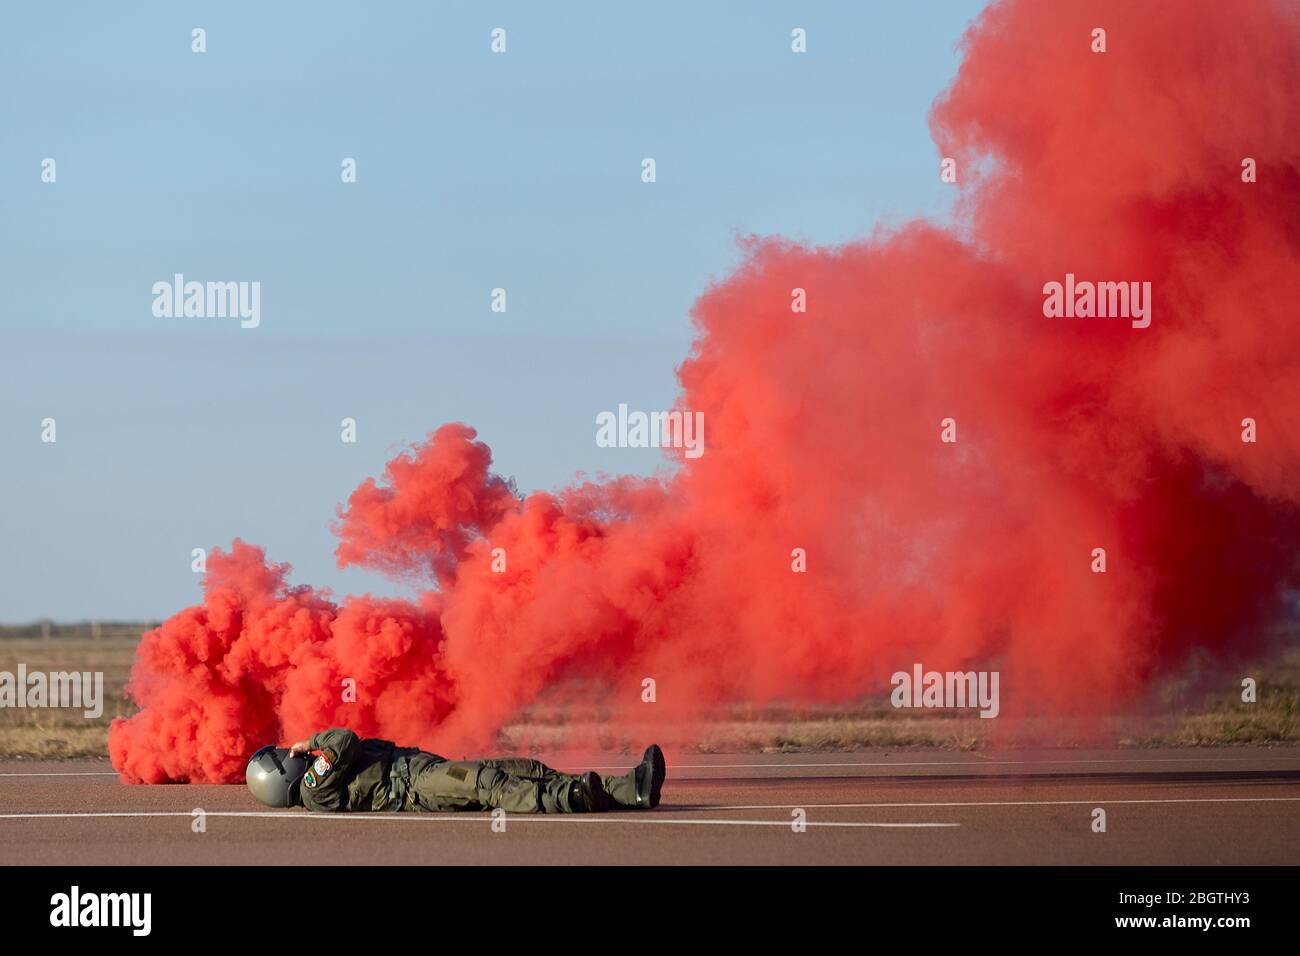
(673, 907)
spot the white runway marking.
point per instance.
(472, 817)
(1100, 801)
(952, 763)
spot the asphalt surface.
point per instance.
(1204, 806)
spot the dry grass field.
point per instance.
(1183, 719)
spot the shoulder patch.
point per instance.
(319, 769)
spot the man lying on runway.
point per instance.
(337, 770)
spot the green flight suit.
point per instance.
(354, 774)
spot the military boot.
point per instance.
(649, 776)
(639, 788)
(586, 794)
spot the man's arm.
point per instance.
(337, 744)
(324, 786)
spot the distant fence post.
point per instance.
(94, 630)
(45, 630)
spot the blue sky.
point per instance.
(519, 170)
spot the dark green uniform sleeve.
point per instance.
(325, 786)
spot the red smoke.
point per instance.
(822, 433)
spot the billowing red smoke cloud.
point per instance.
(822, 433)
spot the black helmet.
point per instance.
(273, 776)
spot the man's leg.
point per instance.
(639, 788)
(621, 790)
(475, 785)
(522, 767)
(561, 792)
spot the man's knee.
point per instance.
(488, 781)
(498, 789)
(451, 785)
(520, 766)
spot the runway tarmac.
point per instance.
(1194, 806)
